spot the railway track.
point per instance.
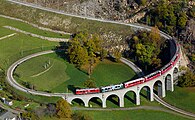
(17, 86)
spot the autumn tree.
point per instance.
(84, 49)
(146, 47)
(29, 116)
(187, 80)
(89, 83)
(154, 36)
(117, 54)
(63, 109)
(78, 55)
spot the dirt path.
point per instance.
(7, 36)
(35, 35)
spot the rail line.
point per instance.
(12, 81)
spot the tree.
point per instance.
(89, 83)
(103, 54)
(182, 20)
(77, 55)
(29, 116)
(84, 49)
(155, 36)
(156, 62)
(187, 80)
(117, 54)
(193, 57)
(63, 109)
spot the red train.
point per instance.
(87, 91)
(133, 82)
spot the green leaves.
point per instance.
(182, 20)
(83, 50)
(187, 80)
(146, 47)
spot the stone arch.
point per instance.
(113, 99)
(77, 102)
(169, 82)
(129, 98)
(146, 92)
(175, 72)
(95, 102)
(158, 88)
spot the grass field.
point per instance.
(182, 98)
(11, 48)
(128, 115)
(112, 73)
(62, 75)
(29, 28)
(20, 45)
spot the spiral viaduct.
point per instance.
(164, 82)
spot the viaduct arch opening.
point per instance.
(130, 99)
(168, 82)
(78, 102)
(113, 101)
(158, 88)
(175, 74)
(145, 93)
(95, 102)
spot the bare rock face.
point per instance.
(103, 9)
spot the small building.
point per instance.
(9, 116)
(7, 102)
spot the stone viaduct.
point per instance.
(158, 85)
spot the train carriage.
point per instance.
(87, 91)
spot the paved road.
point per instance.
(17, 86)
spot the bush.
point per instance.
(81, 116)
(187, 80)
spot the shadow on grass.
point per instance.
(78, 102)
(96, 101)
(113, 98)
(133, 100)
(143, 95)
(72, 88)
(61, 52)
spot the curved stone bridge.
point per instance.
(164, 82)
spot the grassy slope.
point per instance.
(111, 73)
(5, 31)
(182, 97)
(29, 28)
(11, 48)
(69, 24)
(129, 115)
